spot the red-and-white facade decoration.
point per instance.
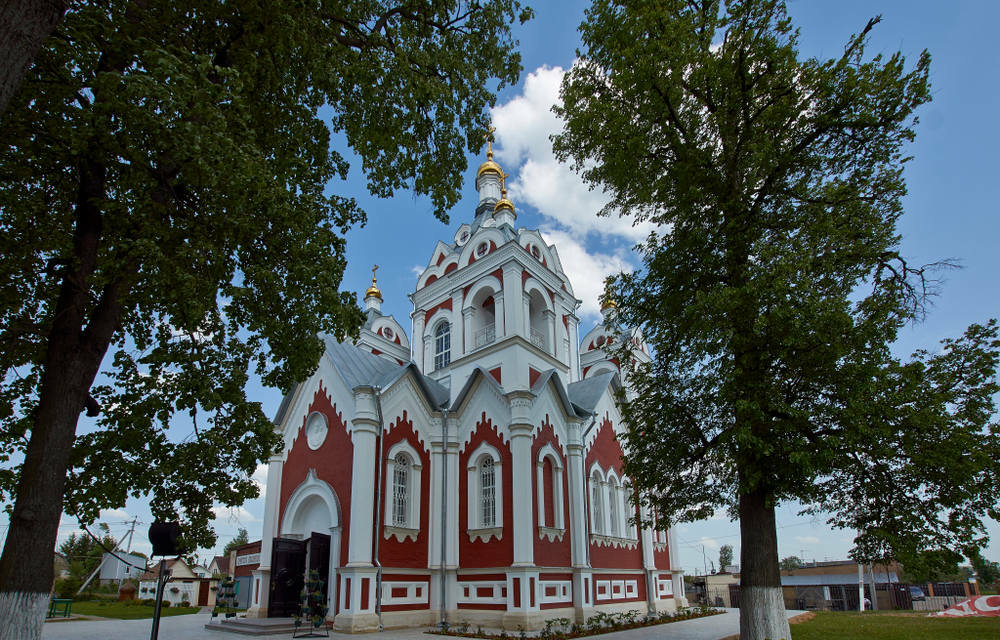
(493, 435)
(977, 606)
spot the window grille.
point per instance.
(488, 498)
(596, 505)
(442, 346)
(400, 490)
(613, 509)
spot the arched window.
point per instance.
(613, 508)
(401, 490)
(549, 488)
(401, 507)
(485, 493)
(596, 503)
(487, 496)
(442, 346)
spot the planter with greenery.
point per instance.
(564, 628)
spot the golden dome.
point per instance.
(504, 203)
(373, 291)
(489, 166)
(609, 303)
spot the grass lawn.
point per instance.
(837, 625)
(122, 611)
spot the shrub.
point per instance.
(166, 603)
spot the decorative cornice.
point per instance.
(611, 541)
(551, 533)
(402, 534)
(485, 534)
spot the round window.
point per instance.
(464, 237)
(482, 249)
(535, 252)
(388, 333)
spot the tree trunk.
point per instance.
(762, 606)
(24, 25)
(77, 343)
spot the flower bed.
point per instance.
(563, 628)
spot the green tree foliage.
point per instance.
(932, 565)
(83, 553)
(789, 563)
(773, 286)
(170, 218)
(241, 539)
(988, 572)
(725, 556)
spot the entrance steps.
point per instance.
(253, 626)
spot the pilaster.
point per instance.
(364, 433)
(514, 296)
(261, 584)
(520, 448)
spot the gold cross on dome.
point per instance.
(489, 140)
(374, 269)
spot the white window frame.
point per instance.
(596, 482)
(413, 488)
(442, 353)
(548, 451)
(475, 493)
(615, 529)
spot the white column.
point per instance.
(434, 522)
(514, 294)
(417, 340)
(550, 330)
(677, 574)
(470, 337)
(520, 448)
(458, 348)
(502, 325)
(364, 434)
(454, 527)
(261, 581)
(540, 494)
(574, 348)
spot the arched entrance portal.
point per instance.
(308, 540)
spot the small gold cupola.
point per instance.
(488, 180)
(373, 296)
(503, 210)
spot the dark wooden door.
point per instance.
(319, 559)
(288, 565)
(203, 594)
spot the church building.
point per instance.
(471, 471)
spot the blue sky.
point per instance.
(951, 209)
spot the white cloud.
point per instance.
(709, 543)
(586, 271)
(109, 515)
(524, 127)
(238, 515)
(259, 478)
(807, 539)
(418, 270)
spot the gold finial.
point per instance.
(504, 203)
(489, 141)
(489, 166)
(609, 303)
(374, 290)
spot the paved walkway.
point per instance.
(192, 627)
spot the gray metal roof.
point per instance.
(568, 405)
(585, 394)
(360, 368)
